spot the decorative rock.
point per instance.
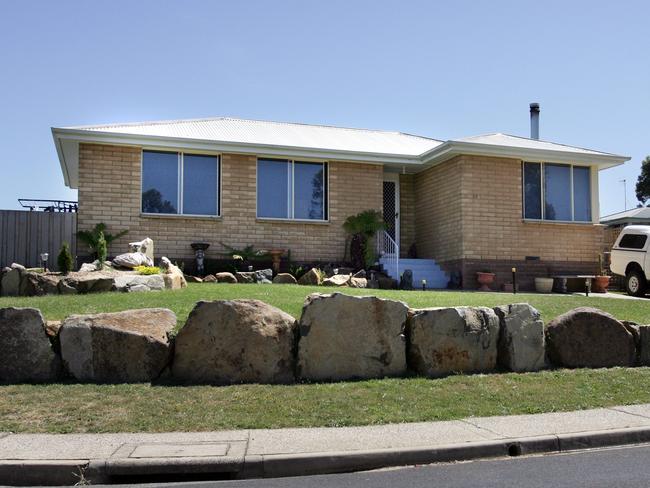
(90, 282)
(644, 345)
(132, 259)
(406, 283)
(285, 278)
(172, 275)
(130, 346)
(38, 284)
(132, 282)
(358, 282)
(10, 285)
(453, 340)
(360, 274)
(26, 353)
(337, 280)
(521, 338)
(264, 276)
(210, 279)
(310, 278)
(245, 276)
(88, 268)
(225, 277)
(343, 337)
(145, 246)
(589, 338)
(64, 288)
(235, 341)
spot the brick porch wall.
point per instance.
(109, 192)
(407, 213)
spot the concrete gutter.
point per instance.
(36, 459)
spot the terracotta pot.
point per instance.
(544, 285)
(485, 280)
(599, 284)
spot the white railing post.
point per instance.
(389, 250)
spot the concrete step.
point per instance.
(426, 269)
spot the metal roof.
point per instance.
(639, 214)
(403, 152)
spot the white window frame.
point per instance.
(179, 189)
(543, 193)
(291, 202)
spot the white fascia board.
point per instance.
(454, 148)
(231, 147)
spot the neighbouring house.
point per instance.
(615, 223)
(488, 202)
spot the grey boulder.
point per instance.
(26, 353)
(311, 278)
(123, 347)
(225, 277)
(285, 278)
(235, 341)
(344, 337)
(133, 282)
(589, 338)
(521, 338)
(453, 340)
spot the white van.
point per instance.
(630, 258)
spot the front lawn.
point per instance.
(65, 408)
(291, 297)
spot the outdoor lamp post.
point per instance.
(514, 281)
(424, 284)
(44, 257)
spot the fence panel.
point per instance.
(24, 235)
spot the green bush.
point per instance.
(147, 270)
(64, 259)
(91, 237)
(102, 249)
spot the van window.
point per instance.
(633, 241)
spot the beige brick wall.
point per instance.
(438, 212)
(407, 212)
(109, 192)
(492, 223)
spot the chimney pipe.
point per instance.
(534, 120)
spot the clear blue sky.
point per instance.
(437, 69)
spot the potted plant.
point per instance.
(485, 279)
(543, 284)
(601, 282)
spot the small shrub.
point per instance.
(102, 250)
(147, 270)
(64, 259)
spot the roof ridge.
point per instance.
(551, 142)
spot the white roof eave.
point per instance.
(450, 149)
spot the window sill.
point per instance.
(179, 216)
(292, 221)
(557, 222)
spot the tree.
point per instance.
(643, 183)
(91, 237)
(64, 260)
(102, 250)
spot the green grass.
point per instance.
(66, 408)
(291, 297)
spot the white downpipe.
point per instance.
(388, 249)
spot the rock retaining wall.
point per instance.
(337, 337)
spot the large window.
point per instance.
(558, 192)
(179, 183)
(291, 189)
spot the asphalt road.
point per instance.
(617, 467)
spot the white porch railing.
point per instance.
(388, 249)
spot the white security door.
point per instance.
(391, 205)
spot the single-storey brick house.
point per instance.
(488, 202)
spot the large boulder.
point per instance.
(235, 341)
(172, 275)
(356, 282)
(453, 340)
(132, 282)
(521, 338)
(39, 284)
(225, 277)
(245, 276)
(285, 278)
(343, 336)
(26, 353)
(643, 345)
(589, 338)
(10, 284)
(89, 282)
(123, 347)
(337, 280)
(311, 278)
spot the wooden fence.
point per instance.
(24, 235)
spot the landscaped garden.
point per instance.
(165, 406)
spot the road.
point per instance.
(616, 467)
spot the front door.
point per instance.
(391, 205)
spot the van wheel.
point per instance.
(635, 283)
